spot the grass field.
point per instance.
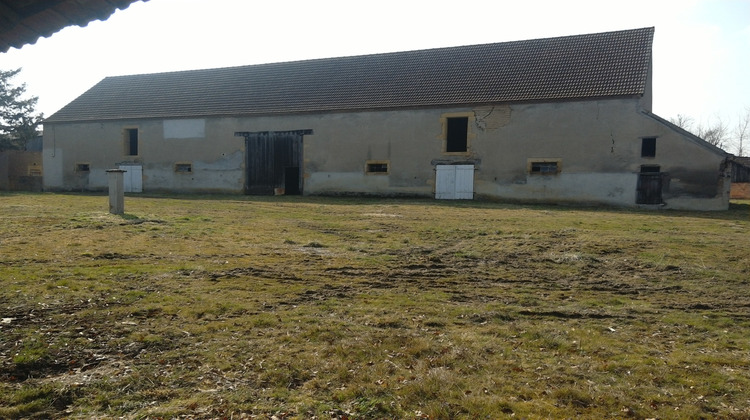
(296, 307)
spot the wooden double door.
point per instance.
(274, 162)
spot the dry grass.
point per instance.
(240, 307)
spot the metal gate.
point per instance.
(649, 188)
(273, 162)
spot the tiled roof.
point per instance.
(23, 22)
(610, 64)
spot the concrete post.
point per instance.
(116, 191)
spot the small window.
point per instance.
(83, 167)
(185, 168)
(457, 134)
(544, 167)
(130, 138)
(648, 147)
(377, 167)
(645, 169)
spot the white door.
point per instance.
(454, 182)
(445, 182)
(132, 180)
(464, 182)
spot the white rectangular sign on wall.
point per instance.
(184, 129)
(454, 182)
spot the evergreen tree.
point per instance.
(19, 121)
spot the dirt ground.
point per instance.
(334, 308)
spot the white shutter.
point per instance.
(445, 182)
(132, 180)
(464, 182)
(454, 182)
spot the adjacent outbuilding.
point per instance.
(554, 120)
(740, 170)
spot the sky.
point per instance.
(701, 47)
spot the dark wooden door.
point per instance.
(292, 180)
(274, 159)
(649, 188)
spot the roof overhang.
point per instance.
(24, 22)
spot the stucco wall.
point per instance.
(596, 143)
(20, 170)
(215, 156)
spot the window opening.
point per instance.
(83, 167)
(544, 168)
(648, 147)
(457, 134)
(131, 142)
(183, 167)
(377, 167)
(650, 169)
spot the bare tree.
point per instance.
(742, 132)
(715, 133)
(683, 121)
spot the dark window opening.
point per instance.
(648, 147)
(83, 167)
(183, 167)
(131, 142)
(377, 168)
(544, 168)
(457, 134)
(650, 169)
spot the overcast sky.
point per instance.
(701, 47)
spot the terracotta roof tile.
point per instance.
(573, 67)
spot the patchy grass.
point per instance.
(245, 307)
